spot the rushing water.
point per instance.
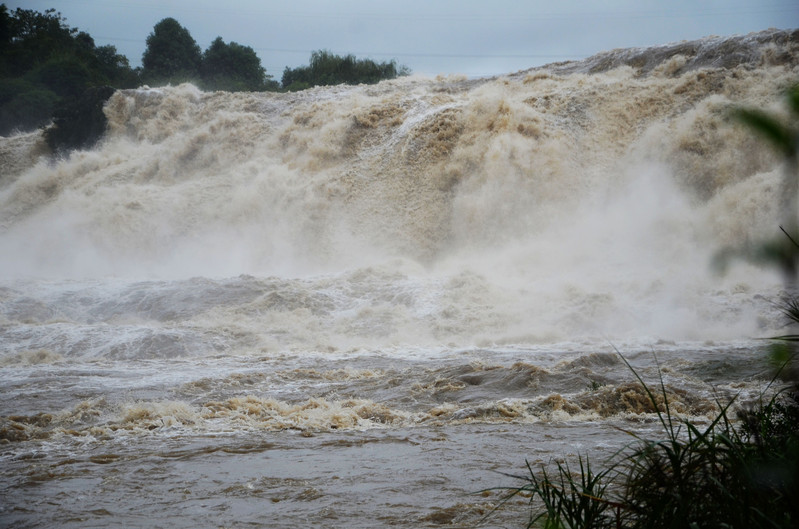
(359, 306)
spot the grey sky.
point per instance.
(471, 37)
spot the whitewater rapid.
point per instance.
(359, 305)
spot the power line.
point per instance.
(398, 54)
(495, 15)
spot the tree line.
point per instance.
(325, 68)
(50, 71)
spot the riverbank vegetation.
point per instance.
(326, 69)
(45, 64)
(53, 73)
(730, 473)
(739, 471)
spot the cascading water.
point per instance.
(343, 306)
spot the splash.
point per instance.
(376, 295)
(585, 197)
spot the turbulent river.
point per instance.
(361, 306)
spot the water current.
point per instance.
(361, 306)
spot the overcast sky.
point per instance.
(471, 37)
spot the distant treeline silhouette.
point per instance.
(50, 72)
(325, 68)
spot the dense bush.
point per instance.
(715, 476)
(45, 64)
(730, 474)
(234, 68)
(171, 56)
(52, 72)
(24, 105)
(326, 69)
(79, 123)
(66, 76)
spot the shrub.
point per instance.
(79, 122)
(692, 478)
(66, 76)
(171, 55)
(232, 67)
(24, 106)
(326, 68)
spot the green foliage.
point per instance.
(49, 70)
(24, 105)
(776, 252)
(784, 349)
(326, 69)
(78, 123)
(5, 27)
(45, 63)
(773, 427)
(782, 250)
(694, 477)
(704, 478)
(232, 67)
(783, 136)
(727, 474)
(32, 38)
(569, 499)
(295, 86)
(115, 68)
(171, 55)
(46, 68)
(67, 76)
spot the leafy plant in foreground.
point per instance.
(781, 251)
(693, 477)
(571, 499)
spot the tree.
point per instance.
(115, 67)
(31, 38)
(326, 68)
(171, 55)
(232, 67)
(79, 122)
(45, 64)
(24, 105)
(66, 76)
(6, 33)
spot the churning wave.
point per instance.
(313, 305)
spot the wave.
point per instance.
(587, 195)
(367, 394)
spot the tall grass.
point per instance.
(740, 472)
(728, 474)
